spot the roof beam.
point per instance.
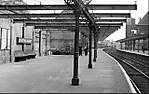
(108, 28)
(70, 15)
(70, 27)
(64, 20)
(106, 33)
(65, 7)
(69, 24)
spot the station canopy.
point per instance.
(58, 15)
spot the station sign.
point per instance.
(23, 41)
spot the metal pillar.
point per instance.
(95, 46)
(90, 46)
(50, 41)
(134, 43)
(7, 39)
(33, 39)
(138, 45)
(23, 37)
(46, 44)
(40, 43)
(10, 53)
(75, 79)
(0, 37)
(143, 49)
(121, 45)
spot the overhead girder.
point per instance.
(81, 29)
(141, 27)
(106, 35)
(80, 6)
(108, 27)
(108, 30)
(65, 7)
(110, 20)
(69, 24)
(64, 20)
(70, 15)
(105, 31)
(72, 27)
(65, 30)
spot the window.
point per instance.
(4, 38)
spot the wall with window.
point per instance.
(4, 40)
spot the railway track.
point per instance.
(138, 72)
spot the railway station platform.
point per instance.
(146, 53)
(53, 74)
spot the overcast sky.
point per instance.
(142, 6)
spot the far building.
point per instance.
(137, 35)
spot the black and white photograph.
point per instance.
(74, 46)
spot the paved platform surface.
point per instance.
(53, 74)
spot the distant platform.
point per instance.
(136, 52)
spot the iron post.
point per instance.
(75, 79)
(95, 46)
(10, 53)
(23, 37)
(40, 43)
(90, 45)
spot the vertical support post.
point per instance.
(95, 46)
(125, 45)
(0, 37)
(33, 39)
(23, 37)
(143, 49)
(121, 45)
(7, 39)
(134, 45)
(90, 46)
(75, 79)
(138, 45)
(46, 44)
(10, 53)
(50, 41)
(40, 43)
(131, 44)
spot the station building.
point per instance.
(137, 35)
(21, 42)
(18, 41)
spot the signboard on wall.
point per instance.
(23, 41)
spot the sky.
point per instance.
(142, 8)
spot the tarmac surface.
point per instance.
(53, 74)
